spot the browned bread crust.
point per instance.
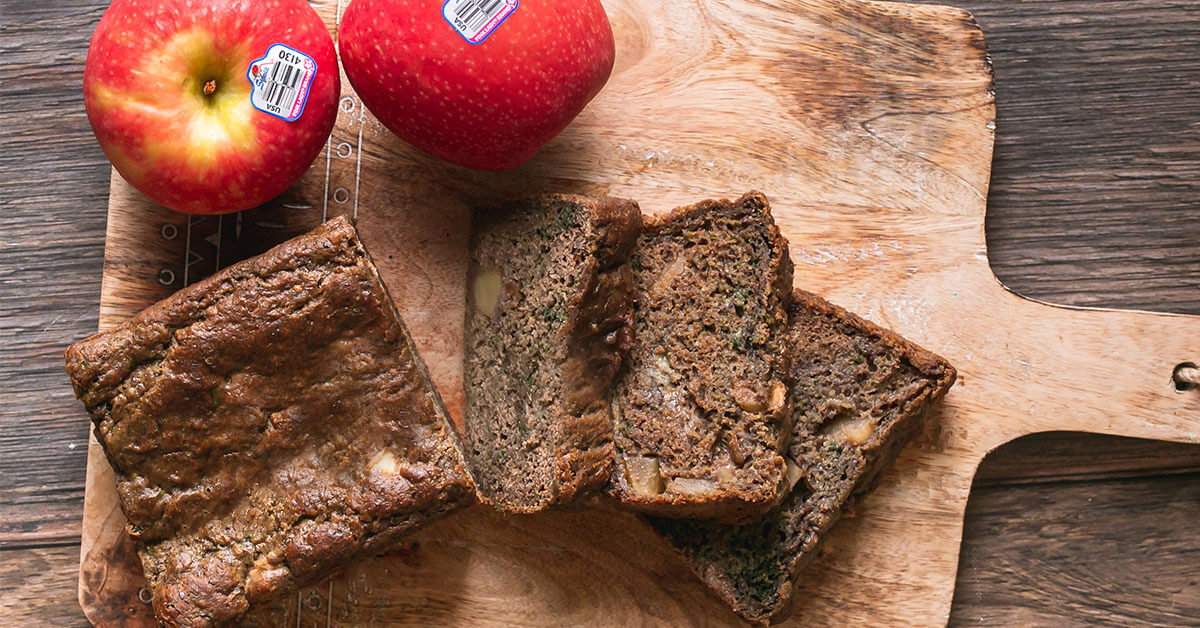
(701, 406)
(267, 426)
(548, 321)
(861, 394)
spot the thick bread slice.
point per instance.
(548, 321)
(267, 426)
(860, 394)
(701, 406)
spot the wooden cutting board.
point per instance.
(870, 126)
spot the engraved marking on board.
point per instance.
(340, 147)
(325, 190)
(202, 247)
(358, 160)
(187, 252)
(310, 606)
(204, 239)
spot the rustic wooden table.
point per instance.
(1094, 201)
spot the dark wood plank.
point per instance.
(1096, 174)
(1072, 457)
(1070, 529)
(55, 191)
(1080, 529)
(38, 585)
(1106, 553)
(1096, 179)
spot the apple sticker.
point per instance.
(476, 19)
(280, 81)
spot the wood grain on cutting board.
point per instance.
(870, 127)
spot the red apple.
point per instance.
(168, 90)
(480, 83)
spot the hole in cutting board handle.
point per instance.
(1186, 376)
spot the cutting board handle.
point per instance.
(1055, 368)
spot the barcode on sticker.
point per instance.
(281, 84)
(280, 81)
(476, 19)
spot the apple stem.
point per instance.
(210, 87)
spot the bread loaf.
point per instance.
(267, 426)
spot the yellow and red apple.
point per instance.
(211, 106)
(480, 83)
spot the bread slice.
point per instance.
(548, 321)
(267, 426)
(860, 394)
(700, 408)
